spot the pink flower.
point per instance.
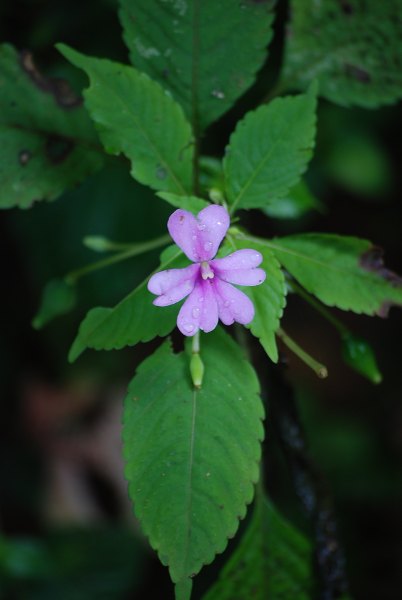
(207, 282)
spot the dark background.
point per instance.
(63, 508)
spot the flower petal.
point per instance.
(182, 226)
(213, 223)
(173, 285)
(233, 305)
(200, 310)
(241, 259)
(242, 276)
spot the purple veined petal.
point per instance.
(241, 259)
(233, 305)
(173, 285)
(241, 276)
(200, 310)
(182, 226)
(212, 225)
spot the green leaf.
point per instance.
(353, 48)
(190, 203)
(135, 319)
(48, 143)
(269, 151)
(192, 456)
(135, 116)
(269, 299)
(206, 53)
(359, 355)
(58, 298)
(294, 205)
(341, 271)
(272, 561)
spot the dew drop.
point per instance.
(189, 328)
(195, 313)
(218, 94)
(194, 237)
(226, 303)
(207, 246)
(201, 226)
(161, 173)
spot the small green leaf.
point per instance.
(269, 299)
(273, 561)
(341, 271)
(190, 203)
(135, 319)
(58, 298)
(269, 151)
(135, 116)
(352, 47)
(48, 143)
(192, 456)
(194, 50)
(359, 355)
(294, 205)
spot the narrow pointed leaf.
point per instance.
(353, 48)
(359, 355)
(192, 455)
(136, 117)
(58, 298)
(273, 561)
(206, 53)
(48, 143)
(341, 271)
(269, 299)
(135, 319)
(269, 151)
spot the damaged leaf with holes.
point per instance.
(48, 143)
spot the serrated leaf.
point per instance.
(136, 117)
(135, 319)
(272, 561)
(353, 48)
(193, 48)
(58, 298)
(192, 455)
(269, 151)
(269, 299)
(190, 203)
(294, 205)
(48, 143)
(341, 271)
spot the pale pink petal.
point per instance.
(242, 276)
(241, 259)
(200, 310)
(182, 226)
(173, 285)
(233, 305)
(213, 223)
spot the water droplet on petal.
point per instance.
(201, 299)
(207, 246)
(189, 328)
(226, 303)
(201, 226)
(195, 313)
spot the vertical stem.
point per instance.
(195, 117)
(196, 364)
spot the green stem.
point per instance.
(342, 329)
(196, 364)
(134, 250)
(320, 370)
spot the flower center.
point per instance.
(206, 271)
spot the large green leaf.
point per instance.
(192, 456)
(269, 299)
(269, 150)
(135, 116)
(341, 271)
(272, 562)
(353, 47)
(48, 143)
(135, 319)
(206, 53)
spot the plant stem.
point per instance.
(134, 250)
(319, 369)
(196, 364)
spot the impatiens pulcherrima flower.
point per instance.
(207, 282)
